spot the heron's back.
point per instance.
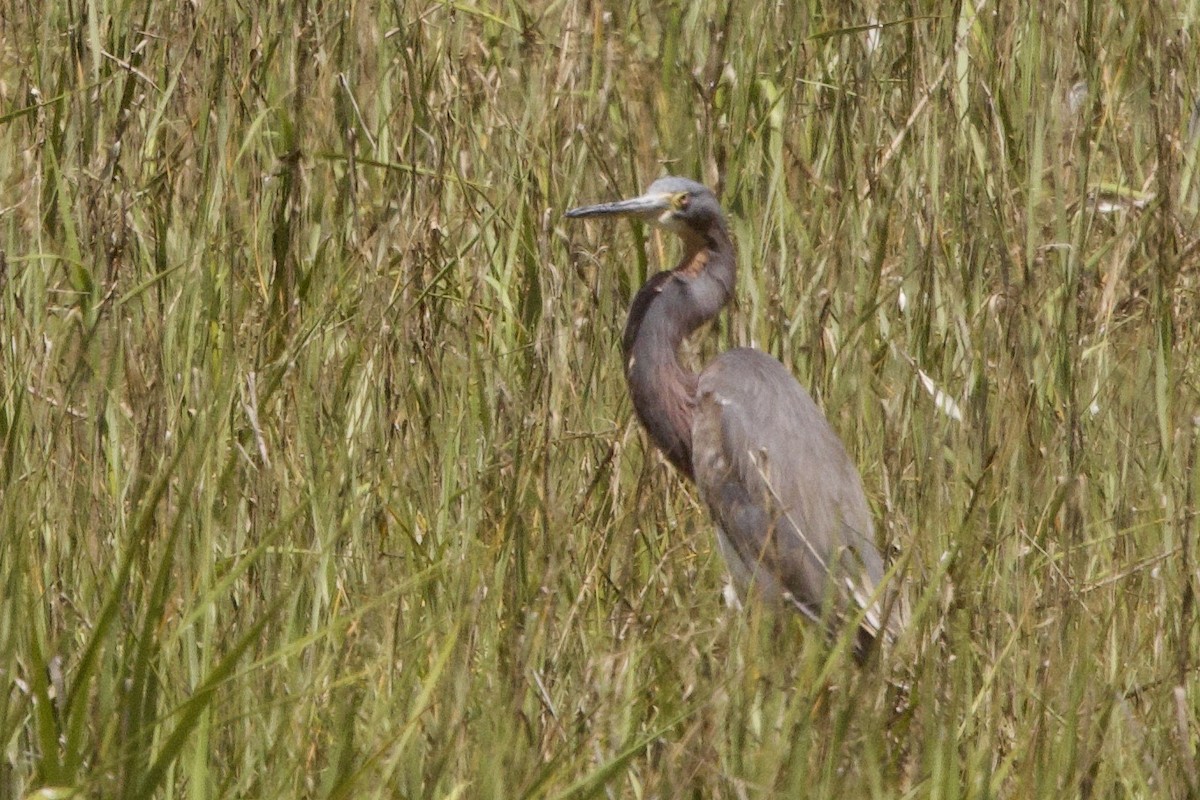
(789, 504)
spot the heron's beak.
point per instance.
(649, 207)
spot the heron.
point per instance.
(791, 516)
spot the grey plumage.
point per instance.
(792, 519)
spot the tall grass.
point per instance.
(318, 478)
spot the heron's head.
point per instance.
(681, 205)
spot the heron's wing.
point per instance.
(789, 504)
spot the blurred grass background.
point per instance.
(318, 478)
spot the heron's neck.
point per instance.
(664, 312)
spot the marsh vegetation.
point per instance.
(318, 477)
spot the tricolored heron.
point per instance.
(792, 519)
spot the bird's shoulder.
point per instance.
(749, 385)
(752, 418)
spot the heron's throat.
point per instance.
(664, 312)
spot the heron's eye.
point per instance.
(681, 201)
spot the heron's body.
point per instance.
(760, 446)
(792, 519)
